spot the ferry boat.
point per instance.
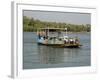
(58, 40)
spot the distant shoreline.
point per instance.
(31, 25)
(67, 32)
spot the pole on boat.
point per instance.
(48, 31)
(66, 31)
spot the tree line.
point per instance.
(30, 25)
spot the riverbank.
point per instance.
(34, 25)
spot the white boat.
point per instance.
(57, 41)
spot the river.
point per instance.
(35, 56)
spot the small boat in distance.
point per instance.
(58, 40)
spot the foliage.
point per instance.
(30, 24)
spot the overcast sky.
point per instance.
(73, 18)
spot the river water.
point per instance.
(35, 56)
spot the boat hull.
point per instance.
(62, 45)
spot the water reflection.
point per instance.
(50, 55)
(36, 56)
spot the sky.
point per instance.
(64, 17)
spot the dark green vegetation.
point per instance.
(30, 24)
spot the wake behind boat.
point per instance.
(58, 40)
